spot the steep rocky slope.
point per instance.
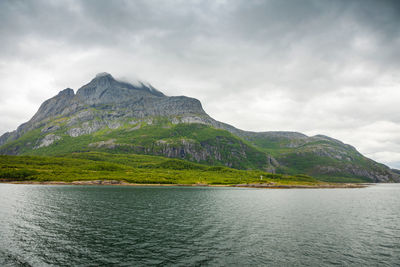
(114, 116)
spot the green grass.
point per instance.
(221, 147)
(304, 158)
(342, 179)
(133, 169)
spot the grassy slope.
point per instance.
(299, 160)
(133, 169)
(143, 140)
(303, 159)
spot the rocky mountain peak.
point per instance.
(66, 92)
(103, 74)
(103, 79)
(104, 89)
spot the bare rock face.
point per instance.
(105, 89)
(6, 137)
(81, 116)
(48, 140)
(107, 144)
(105, 93)
(50, 128)
(377, 175)
(192, 150)
(55, 106)
(86, 128)
(140, 100)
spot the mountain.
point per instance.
(320, 156)
(118, 117)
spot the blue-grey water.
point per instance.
(185, 226)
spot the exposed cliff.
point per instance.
(111, 100)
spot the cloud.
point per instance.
(329, 67)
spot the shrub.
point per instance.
(17, 174)
(104, 166)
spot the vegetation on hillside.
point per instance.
(133, 169)
(321, 157)
(161, 136)
(194, 142)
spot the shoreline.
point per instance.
(261, 185)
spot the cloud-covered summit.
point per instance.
(328, 67)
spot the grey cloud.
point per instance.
(328, 67)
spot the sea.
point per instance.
(63, 225)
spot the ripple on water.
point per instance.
(101, 225)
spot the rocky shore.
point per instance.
(258, 185)
(316, 186)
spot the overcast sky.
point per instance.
(317, 67)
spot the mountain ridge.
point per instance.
(108, 110)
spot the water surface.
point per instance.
(52, 225)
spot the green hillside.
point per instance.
(320, 156)
(193, 142)
(133, 169)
